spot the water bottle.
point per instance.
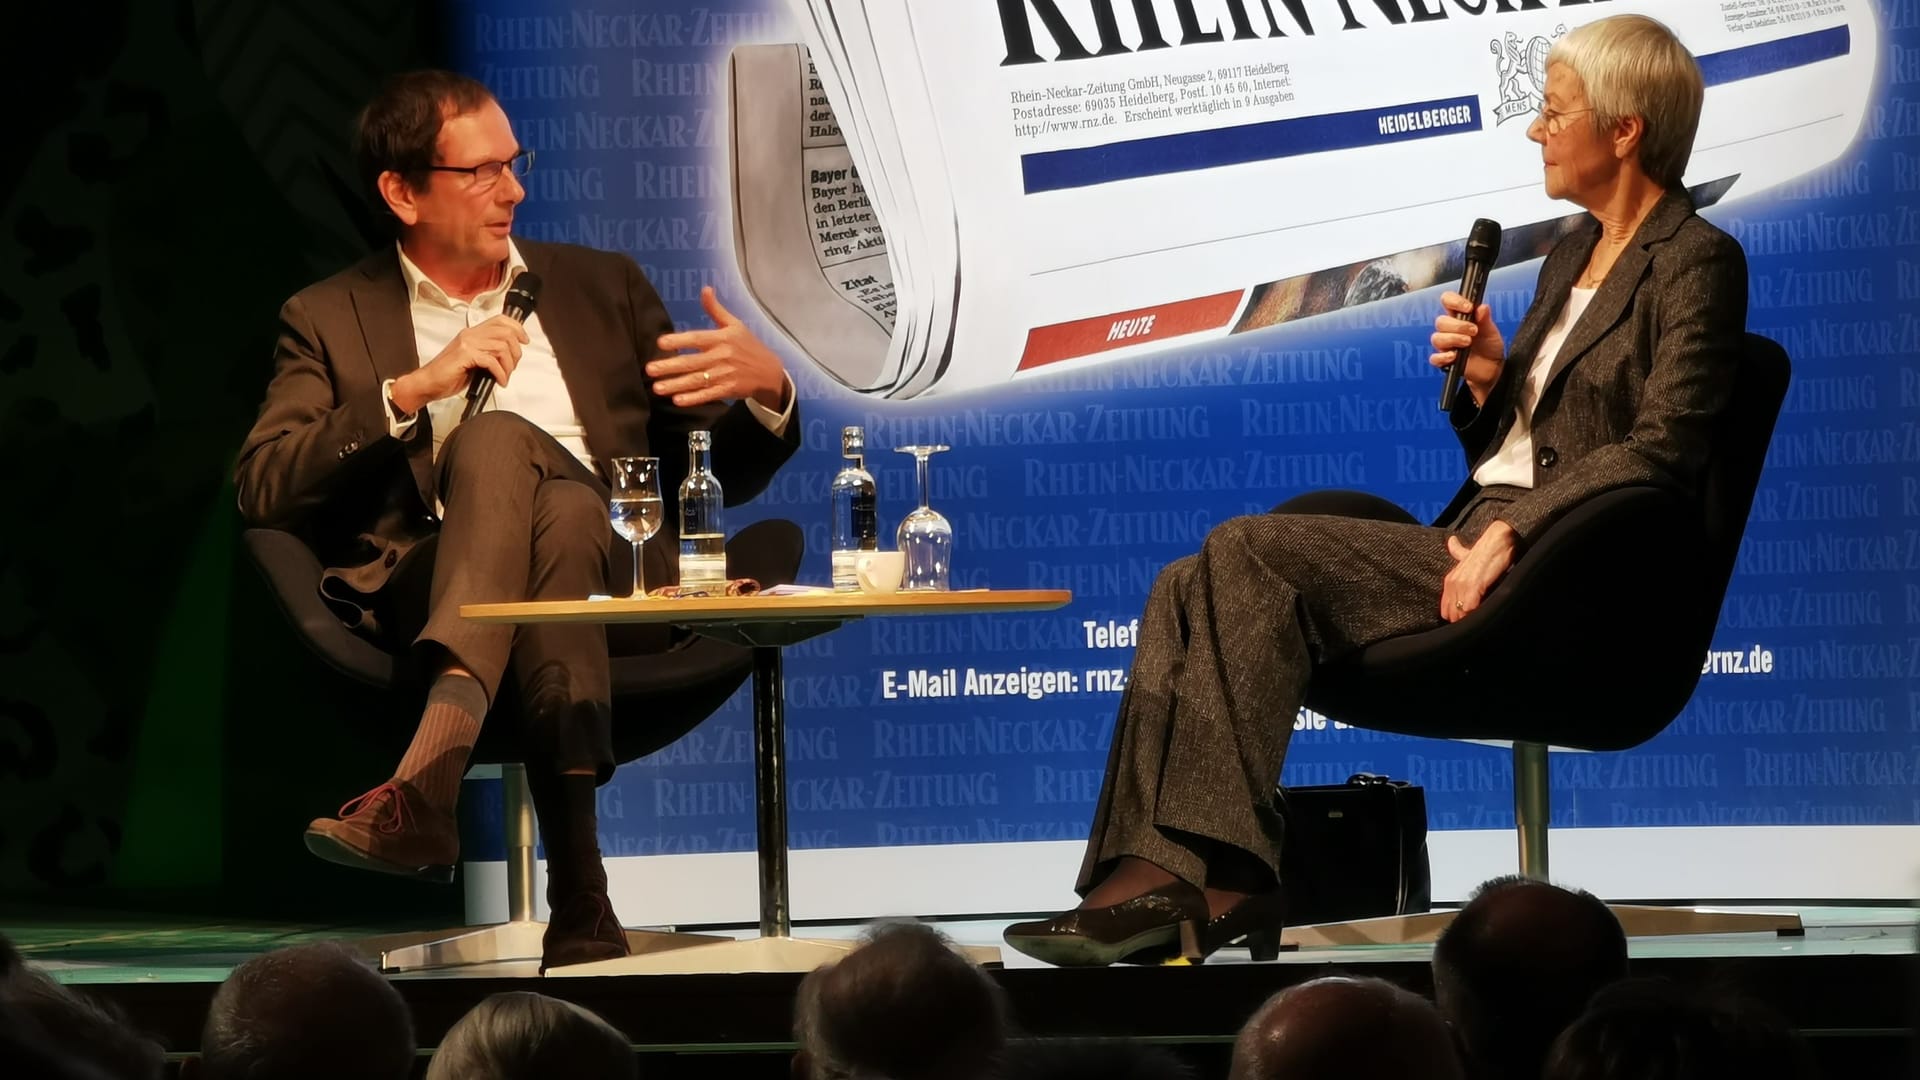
(703, 538)
(856, 526)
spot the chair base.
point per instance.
(730, 957)
(506, 942)
(1638, 920)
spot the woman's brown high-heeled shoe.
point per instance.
(1257, 920)
(1157, 925)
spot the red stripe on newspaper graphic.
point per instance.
(1084, 337)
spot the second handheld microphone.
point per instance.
(1483, 249)
(522, 295)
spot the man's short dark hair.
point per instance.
(904, 1005)
(64, 1033)
(520, 1035)
(1517, 965)
(306, 1011)
(400, 128)
(1654, 1029)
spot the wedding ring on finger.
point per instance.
(707, 375)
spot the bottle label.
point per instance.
(702, 571)
(846, 576)
(866, 520)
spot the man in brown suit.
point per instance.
(1614, 378)
(360, 446)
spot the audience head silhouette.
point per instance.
(903, 1005)
(1340, 1028)
(1089, 1059)
(306, 1011)
(1651, 1029)
(1517, 966)
(526, 1036)
(49, 1030)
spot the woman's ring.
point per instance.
(1459, 605)
(707, 375)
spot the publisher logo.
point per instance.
(1522, 69)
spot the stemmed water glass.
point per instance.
(925, 537)
(636, 508)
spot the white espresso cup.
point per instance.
(879, 572)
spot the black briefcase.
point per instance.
(1356, 850)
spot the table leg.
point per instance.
(770, 789)
(776, 949)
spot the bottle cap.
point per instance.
(852, 441)
(700, 440)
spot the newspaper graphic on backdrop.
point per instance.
(1060, 182)
(818, 264)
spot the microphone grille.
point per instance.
(527, 284)
(1484, 241)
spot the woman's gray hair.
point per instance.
(1631, 65)
(520, 1035)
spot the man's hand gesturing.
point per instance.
(719, 364)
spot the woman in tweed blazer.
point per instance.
(1613, 378)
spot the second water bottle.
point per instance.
(703, 535)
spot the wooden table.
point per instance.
(764, 624)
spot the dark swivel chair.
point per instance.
(681, 688)
(1593, 641)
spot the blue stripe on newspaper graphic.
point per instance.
(1056, 170)
(1752, 61)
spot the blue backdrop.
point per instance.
(1092, 480)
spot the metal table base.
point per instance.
(776, 949)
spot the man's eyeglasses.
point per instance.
(1557, 121)
(487, 173)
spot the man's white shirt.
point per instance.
(535, 390)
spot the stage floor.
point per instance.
(129, 948)
(1848, 984)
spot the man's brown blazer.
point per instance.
(319, 460)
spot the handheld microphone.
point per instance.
(1483, 248)
(521, 296)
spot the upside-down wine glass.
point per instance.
(925, 537)
(636, 508)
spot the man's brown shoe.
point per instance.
(392, 829)
(581, 930)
